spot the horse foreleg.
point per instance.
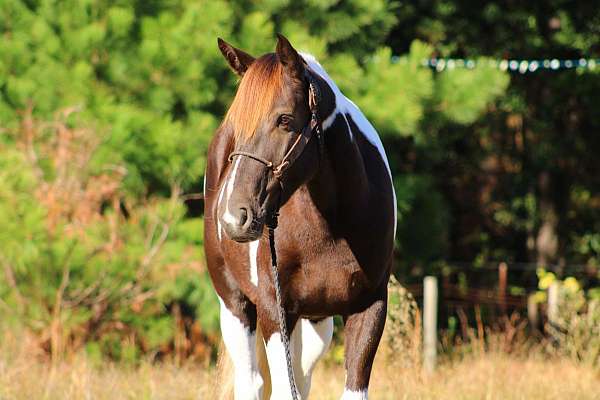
(239, 336)
(362, 331)
(269, 324)
(310, 339)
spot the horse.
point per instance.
(334, 195)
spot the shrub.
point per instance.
(576, 331)
(401, 340)
(84, 265)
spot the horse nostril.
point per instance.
(243, 216)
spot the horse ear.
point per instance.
(289, 57)
(238, 60)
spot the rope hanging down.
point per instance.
(285, 338)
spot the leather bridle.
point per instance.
(314, 128)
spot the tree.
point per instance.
(528, 180)
(146, 83)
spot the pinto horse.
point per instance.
(337, 221)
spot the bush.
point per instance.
(576, 331)
(401, 340)
(87, 266)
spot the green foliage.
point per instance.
(394, 94)
(423, 220)
(576, 332)
(461, 94)
(528, 162)
(77, 269)
(97, 248)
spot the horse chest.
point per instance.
(329, 270)
(329, 281)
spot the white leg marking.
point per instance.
(280, 385)
(241, 346)
(227, 216)
(355, 395)
(253, 256)
(308, 342)
(311, 341)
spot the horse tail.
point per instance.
(225, 370)
(224, 388)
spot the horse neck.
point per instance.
(340, 188)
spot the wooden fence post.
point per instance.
(430, 300)
(502, 284)
(532, 312)
(553, 293)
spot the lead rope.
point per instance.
(281, 311)
(314, 97)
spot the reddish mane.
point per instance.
(257, 91)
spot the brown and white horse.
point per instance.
(336, 226)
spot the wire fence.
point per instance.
(491, 292)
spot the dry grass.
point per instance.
(503, 367)
(487, 376)
(491, 376)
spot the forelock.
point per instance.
(259, 87)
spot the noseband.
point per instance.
(314, 128)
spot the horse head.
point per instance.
(276, 135)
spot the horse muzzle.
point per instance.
(242, 225)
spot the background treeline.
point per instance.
(107, 107)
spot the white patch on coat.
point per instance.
(311, 341)
(253, 256)
(346, 106)
(280, 384)
(241, 347)
(308, 343)
(329, 120)
(227, 216)
(355, 395)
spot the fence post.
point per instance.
(553, 292)
(430, 300)
(532, 312)
(502, 284)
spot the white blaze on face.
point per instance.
(253, 258)
(227, 216)
(241, 347)
(218, 204)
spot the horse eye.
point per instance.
(284, 120)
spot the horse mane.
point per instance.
(257, 91)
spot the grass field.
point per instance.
(489, 376)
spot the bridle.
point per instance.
(314, 128)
